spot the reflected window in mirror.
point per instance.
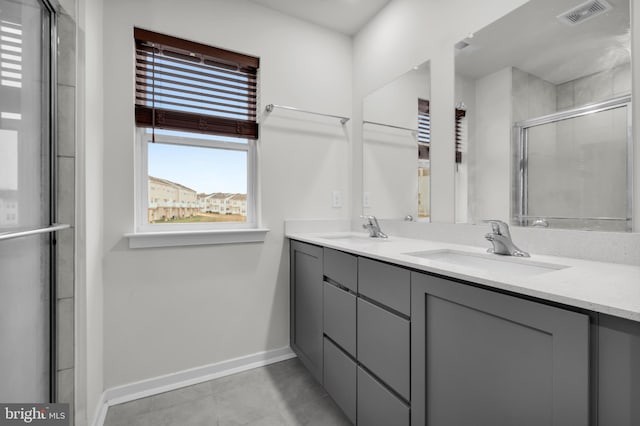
(424, 144)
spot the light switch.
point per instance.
(366, 202)
(336, 199)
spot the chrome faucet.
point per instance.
(373, 227)
(540, 223)
(500, 237)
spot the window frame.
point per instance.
(143, 138)
(154, 115)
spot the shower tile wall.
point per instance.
(595, 87)
(65, 153)
(532, 96)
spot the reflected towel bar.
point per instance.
(375, 123)
(342, 119)
(53, 228)
(414, 132)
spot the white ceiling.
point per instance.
(533, 40)
(345, 16)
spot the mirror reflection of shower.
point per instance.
(574, 168)
(547, 137)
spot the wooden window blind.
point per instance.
(460, 114)
(187, 86)
(424, 131)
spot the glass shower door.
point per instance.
(25, 202)
(575, 170)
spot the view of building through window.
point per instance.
(191, 184)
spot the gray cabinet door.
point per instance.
(340, 378)
(485, 358)
(618, 371)
(306, 305)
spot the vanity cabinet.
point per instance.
(396, 347)
(485, 358)
(306, 307)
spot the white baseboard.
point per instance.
(180, 379)
(101, 411)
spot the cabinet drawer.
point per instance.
(386, 284)
(383, 346)
(377, 406)
(340, 317)
(340, 379)
(341, 268)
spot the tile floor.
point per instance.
(280, 394)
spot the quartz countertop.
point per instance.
(608, 288)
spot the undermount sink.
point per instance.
(491, 263)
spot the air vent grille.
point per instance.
(584, 12)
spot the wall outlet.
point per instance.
(336, 199)
(366, 202)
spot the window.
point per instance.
(460, 114)
(424, 143)
(195, 113)
(424, 130)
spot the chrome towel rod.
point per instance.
(342, 119)
(52, 228)
(389, 125)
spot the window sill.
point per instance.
(195, 238)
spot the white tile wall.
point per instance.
(65, 247)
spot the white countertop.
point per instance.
(608, 288)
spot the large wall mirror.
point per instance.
(395, 147)
(547, 132)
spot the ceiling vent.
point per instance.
(584, 12)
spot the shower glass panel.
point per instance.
(25, 202)
(575, 170)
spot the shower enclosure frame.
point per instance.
(53, 147)
(521, 132)
(49, 145)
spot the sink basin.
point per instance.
(491, 263)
